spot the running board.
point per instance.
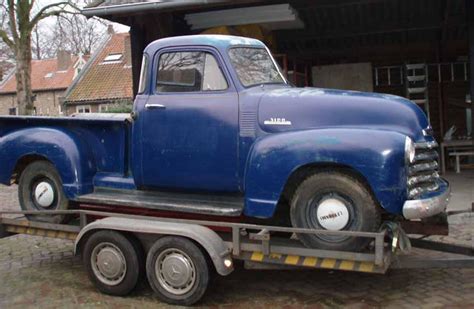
(217, 205)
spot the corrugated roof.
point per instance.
(44, 76)
(105, 81)
(115, 2)
(110, 9)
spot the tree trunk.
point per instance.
(24, 94)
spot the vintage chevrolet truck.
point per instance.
(216, 129)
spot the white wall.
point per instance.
(351, 76)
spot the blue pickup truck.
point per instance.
(216, 129)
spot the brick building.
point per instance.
(105, 83)
(49, 78)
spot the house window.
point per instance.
(83, 109)
(12, 111)
(113, 58)
(103, 108)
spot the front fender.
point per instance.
(377, 155)
(71, 156)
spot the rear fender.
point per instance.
(378, 156)
(70, 155)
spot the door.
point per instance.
(189, 125)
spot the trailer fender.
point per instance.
(208, 239)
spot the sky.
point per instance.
(41, 3)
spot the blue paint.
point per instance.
(218, 141)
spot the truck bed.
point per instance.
(101, 141)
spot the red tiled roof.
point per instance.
(105, 81)
(40, 69)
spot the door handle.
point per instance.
(154, 106)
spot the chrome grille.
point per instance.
(423, 172)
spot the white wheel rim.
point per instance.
(44, 194)
(332, 214)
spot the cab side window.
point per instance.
(189, 72)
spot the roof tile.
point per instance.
(102, 81)
(44, 76)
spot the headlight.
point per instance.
(409, 150)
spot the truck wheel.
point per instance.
(114, 262)
(177, 271)
(338, 202)
(40, 188)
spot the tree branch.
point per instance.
(42, 14)
(6, 39)
(12, 20)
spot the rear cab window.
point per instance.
(189, 71)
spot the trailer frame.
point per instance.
(254, 244)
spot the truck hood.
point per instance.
(288, 109)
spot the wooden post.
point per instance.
(441, 109)
(470, 23)
(144, 30)
(137, 43)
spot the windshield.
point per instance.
(254, 66)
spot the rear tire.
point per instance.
(113, 261)
(40, 188)
(334, 201)
(177, 270)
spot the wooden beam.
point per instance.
(470, 22)
(378, 53)
(297, 35)
(319, 4)
(445, 11)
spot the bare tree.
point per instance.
(79, 34)
(18, 36)
(71, 32)
(6, 54)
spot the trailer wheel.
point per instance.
(114, 262)
(40, 188)
(177, 270)
(338, 202)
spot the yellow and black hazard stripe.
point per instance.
(313, 262)
(14, 229)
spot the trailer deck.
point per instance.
(260, 246)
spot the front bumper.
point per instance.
(428, 207)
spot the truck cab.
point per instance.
(216, 129)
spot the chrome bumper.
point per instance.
(423, 208)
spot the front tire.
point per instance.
(334, 201)
(40, 188)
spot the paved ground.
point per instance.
(42, 272)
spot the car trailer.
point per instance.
(179, 256)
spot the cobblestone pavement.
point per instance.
(42, 272)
